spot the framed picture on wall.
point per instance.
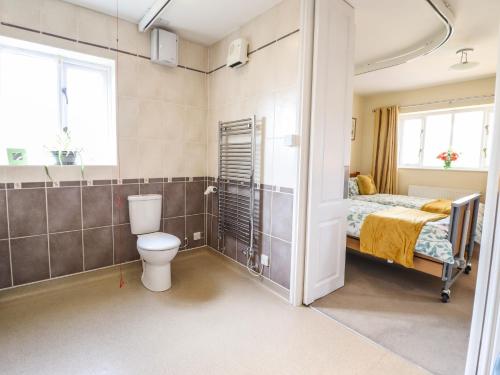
(353, 128)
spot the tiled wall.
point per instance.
(161, 111)
(266, 87)
(167, 126)
(47, 231)
(273, 231)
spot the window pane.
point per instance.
(410, 142)
(467, 134)
(437, 138)
(29, 104)
(87, 113)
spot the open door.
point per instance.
(331, 114)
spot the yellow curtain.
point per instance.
(385, 150)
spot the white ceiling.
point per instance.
(382, 27)
(202, 21)
(386, 26)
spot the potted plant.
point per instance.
(64, 152)
(448, 157)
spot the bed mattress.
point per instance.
(416, 203)
(432, 241)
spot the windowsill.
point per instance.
(55, 165)
(445, 170)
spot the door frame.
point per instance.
(484, 342)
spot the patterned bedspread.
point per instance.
(433, 240)
(414, 202)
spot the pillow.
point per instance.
(352, 187)
(366, 185)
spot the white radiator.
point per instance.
(438, 192)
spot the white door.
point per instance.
(331, 114)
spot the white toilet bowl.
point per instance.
(157, 251)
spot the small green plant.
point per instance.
(65, 152)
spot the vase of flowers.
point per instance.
(448, 157)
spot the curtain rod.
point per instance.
(450, 101)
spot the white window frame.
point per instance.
(64, 59)
(487, 109)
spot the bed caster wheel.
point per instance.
(445, 296)
(467, 269)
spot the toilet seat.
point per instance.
(158, 241)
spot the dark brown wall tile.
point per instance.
(262, 245)
(213, 243)
(195, 223)
(263, 204)
(195, 199)
(66, 254)
(64, 208)
(96, 203)
(4, 230)
(152, 188)
(98, 244)
(30, 259)
(230, 246)
(215, 204)
(125, 244)
(174, 195)
(27, 212)
(281, 257)
(177, 227)
(282, 219)
(120, 202)
(5, 280)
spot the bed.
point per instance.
(443, 249)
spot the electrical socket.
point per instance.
(197, 236)
(264, 260)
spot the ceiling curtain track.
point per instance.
(442, 11)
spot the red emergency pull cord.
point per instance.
(122, 280)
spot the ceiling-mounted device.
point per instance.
(152, 15)
(464, 63)
(442, 10)
(164, 47)
(238, 53)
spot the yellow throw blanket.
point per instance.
(392, 234)
(439, 206)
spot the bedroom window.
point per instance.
(423, 136)
(52, 101)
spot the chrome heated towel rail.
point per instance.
(236, 187)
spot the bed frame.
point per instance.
(463, 220)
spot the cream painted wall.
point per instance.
(361, 155)
(267, 86)
(161, 112)
(357, 153)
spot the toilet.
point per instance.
(157, 249)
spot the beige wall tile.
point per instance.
(128, 153)
(127, 76)
(174, 118)
(23, 13)
(174, 160)
(196, 127)
(286, 62)
(128, 116)
(96, 28)
(128, 36)
(151, 158)
(151, 122)
(59, 18)
(193, 55)
(195, 159)
(287, 17)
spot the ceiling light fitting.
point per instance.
(464, 63)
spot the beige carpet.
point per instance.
(401, 310)
(216, 319)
